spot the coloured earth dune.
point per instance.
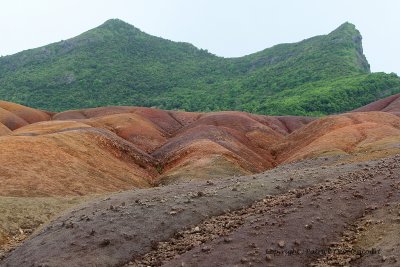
(118, 148)
(53, 161)
(388, 104)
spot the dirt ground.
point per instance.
(289, 216)
(21, 216)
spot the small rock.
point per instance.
(281, 244)
(205, 249)
(392, 259)
(268, 257)
(243, 260)
(227, 240)
(105, 242)
(196, 229)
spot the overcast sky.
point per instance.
(228, 28)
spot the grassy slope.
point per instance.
(117, 64)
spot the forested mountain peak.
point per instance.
(118, 64)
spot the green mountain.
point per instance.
(117, 64)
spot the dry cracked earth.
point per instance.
(131, 186)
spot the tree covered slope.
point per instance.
(117, 64)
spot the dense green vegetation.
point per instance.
(117, 64)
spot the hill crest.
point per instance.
(118, 64)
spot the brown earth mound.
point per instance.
(4, 130)
(14, 116)
(167, 121)
(72, 162)
(117, 148)
(143, 146)
(10, 120)
(48, 127)
(388, 104)
(341, 134)
(229, 141)
(134, 128)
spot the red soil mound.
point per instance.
(4, 130)
(341, 134)
(233, 140)
(47, 127)
(134, 128)
(113, 148)
(388, 104)
(11, 120)
(27, 114)
(168, 121)
(195, 145)
(283, 124)
(203, 159)
(221, 144)
(73, 162)
(14, 116)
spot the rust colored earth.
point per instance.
(108, 149)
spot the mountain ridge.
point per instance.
(118, 64)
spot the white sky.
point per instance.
(226, 28)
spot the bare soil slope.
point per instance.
(118, 148)
(303, 207)
(14, 116)
(348, 133)
(388, 104)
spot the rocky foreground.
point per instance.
(319, 212)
